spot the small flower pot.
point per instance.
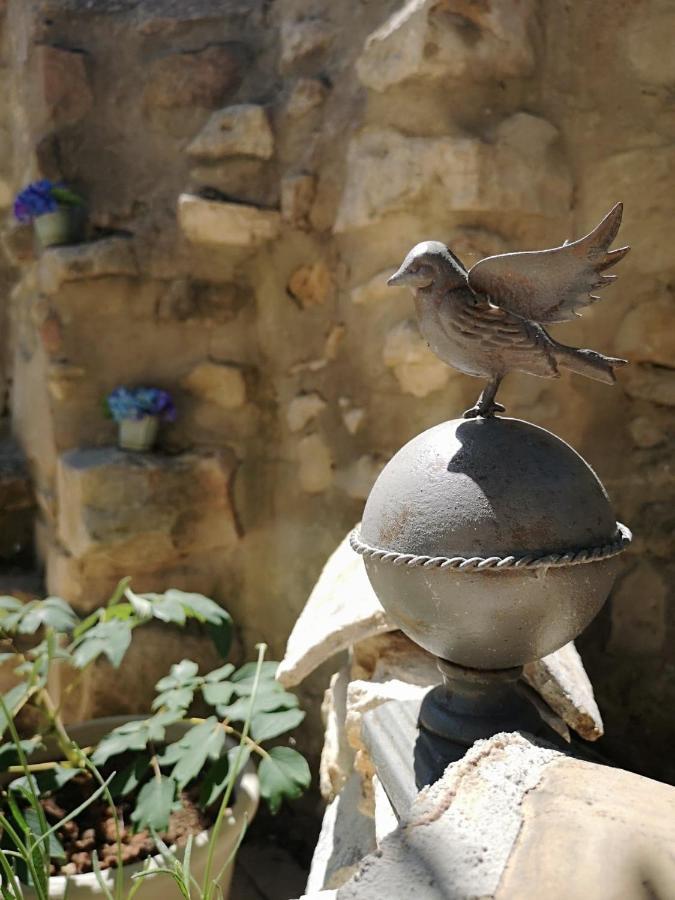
(55, 228)
(138, 434)
(159, 887)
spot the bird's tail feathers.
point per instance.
(588, 362)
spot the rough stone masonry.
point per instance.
(253, 172)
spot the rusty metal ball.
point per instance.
(490, 542)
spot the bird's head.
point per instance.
(429, 264)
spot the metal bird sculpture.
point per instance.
(488, 320)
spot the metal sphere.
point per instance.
(490, 542)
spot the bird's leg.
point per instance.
(486, 405)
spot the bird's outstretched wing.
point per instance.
(551, 285)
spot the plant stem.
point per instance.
(72, 753)
(208, 886)
(250, 743)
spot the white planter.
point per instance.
(138, 434)
(55, 228)
(159, 887)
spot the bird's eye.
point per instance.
(415, 269)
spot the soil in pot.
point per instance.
(94, 828)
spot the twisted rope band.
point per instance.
(530, 561)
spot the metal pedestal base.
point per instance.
(471, 704)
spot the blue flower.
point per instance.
(42, 197)
(140, 402)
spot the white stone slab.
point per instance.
(341, 610)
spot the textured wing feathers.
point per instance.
(552, 285)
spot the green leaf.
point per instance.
(284, 773)
(11, 700)
(130, 777)
(180, 674)
(175, 698)
(56, 851)
(220, 674)
(154, 804)
(265, 701)
(199, 607)
(109, 639)
(134, 735)
(167, 609)
(53, 612)
(220, 692)
(9, 604)
(244, 677)
(200, 743)
(46, 782)
(66, 197)
(141, 606)
(268, 725)
(216, 779)
(9, 755)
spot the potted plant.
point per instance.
(138, 412)
(115, 806)
(52, 208)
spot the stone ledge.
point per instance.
(112, 256)
(219, 223)
(143, 510)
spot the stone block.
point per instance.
(646, 334)
(217, 223)
(88, 582)
(486, 829)
(96, 259)
(388, 172)
(648, 42)
(303, 409)
(346, 837)
(187, 299)
(130, 689)
(424, 39)
(418, 371)
(393, 656)
(358, 478)
(561, 680)
(64, 83)
(654, 383)
(301, 39)
(312, 285)
(140, 511)
(337, 757)
(315, 464)
(376, 290)
(217, 383)
(202, 78)
(646, 433)
(642, 178)
(242, 130)
(638, 611)
(364, 696)
(341, 610)
(307, 94)
(297, 196)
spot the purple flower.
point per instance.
(137, 403)
(42, 197)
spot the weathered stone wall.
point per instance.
(253, 171)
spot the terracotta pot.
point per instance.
(138, 434)
(55, 228)
(159, 887)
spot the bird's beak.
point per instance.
(400, 277)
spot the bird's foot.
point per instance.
(484, 410)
